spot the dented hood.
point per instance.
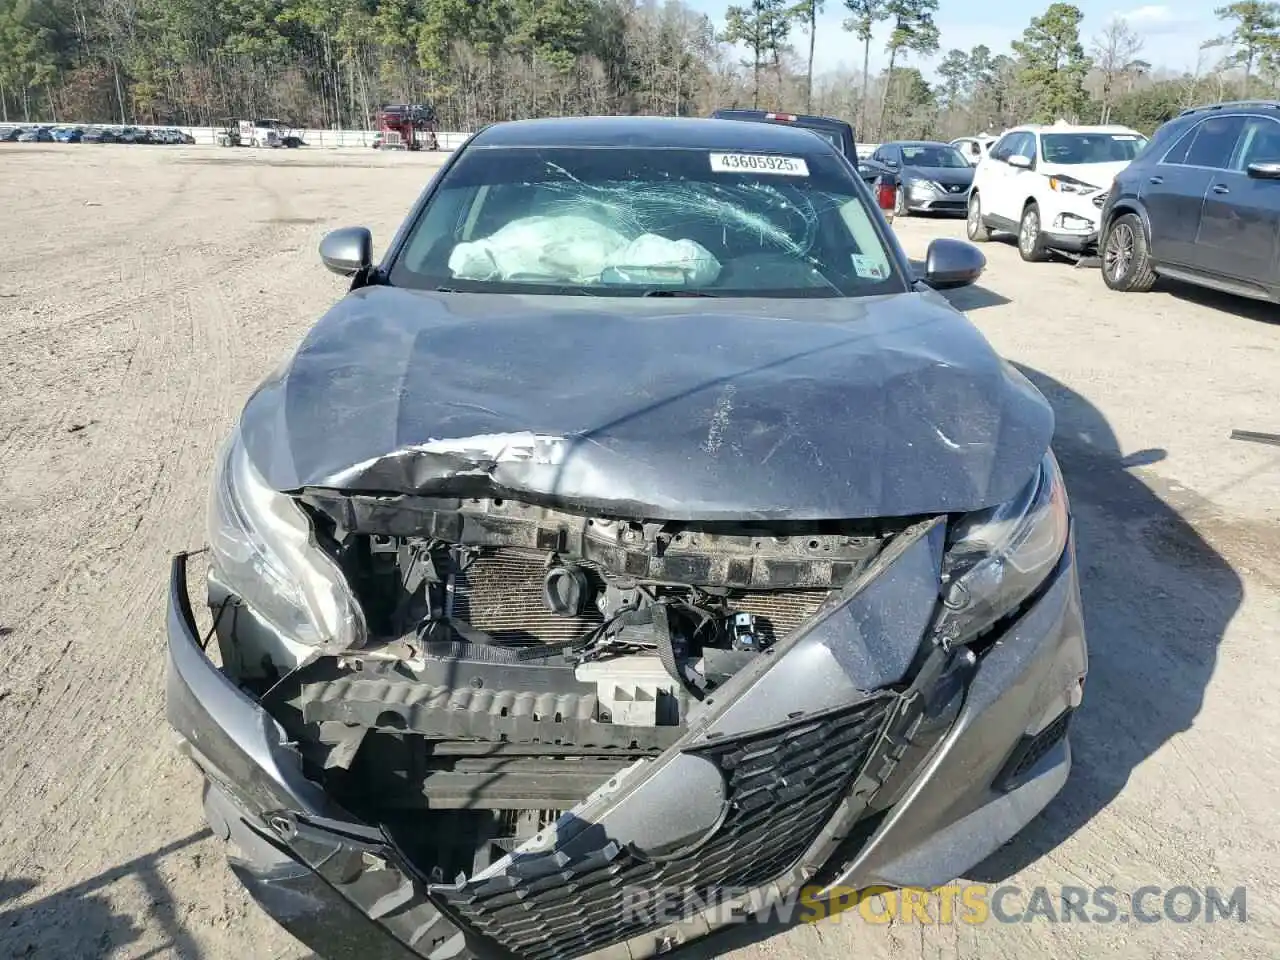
(656, 408)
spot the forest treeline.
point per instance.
(331, 63)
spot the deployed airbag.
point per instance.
(580, 250)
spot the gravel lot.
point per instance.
(146, 290)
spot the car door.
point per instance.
(1239, 232)
(1021, 182)
(992, 169)
(1174, 190)
(872, 167)
(891, 161)
(1000, 197)
(891, 157)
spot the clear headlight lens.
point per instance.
(264, 550)
(996, 558)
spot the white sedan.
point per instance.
(974, 149)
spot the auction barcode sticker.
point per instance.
(758, 163)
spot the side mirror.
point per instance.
(1269, 170)
(1019, 161)
(952, 263)
(347, 251)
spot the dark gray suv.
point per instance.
(1200, 204)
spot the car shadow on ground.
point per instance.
(973, 297)
(1260, 310)
(1157, 600)
(80, 921)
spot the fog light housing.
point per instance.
(1071, 221)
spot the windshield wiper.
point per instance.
(679, 293)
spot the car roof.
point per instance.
(916, 143)
(1233, 105)
(689, 132)
(778, 116)
(1069, 128)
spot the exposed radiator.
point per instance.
(500, 593)
(778, 612)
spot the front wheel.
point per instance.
(1030, 239)
(974, 228)
(1126, 258)
(900, 208)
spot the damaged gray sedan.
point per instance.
(639, 543)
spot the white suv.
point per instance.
(1047, 184)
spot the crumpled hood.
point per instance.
(665, 409)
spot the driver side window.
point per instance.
(1260, 144)
(1028, 147)
(1003, 149)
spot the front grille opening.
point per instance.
(500, 593)
(456, 807)
(784, 785)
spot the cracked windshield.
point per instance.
(600, 221)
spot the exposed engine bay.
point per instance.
(520, 656)
(536, 585)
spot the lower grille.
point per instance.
(500, 593)
(1031, 750)
(783, 787)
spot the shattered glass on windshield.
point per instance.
(607, 221)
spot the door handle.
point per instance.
(1221, 188)
(1156, 179)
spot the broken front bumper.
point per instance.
(771, 791)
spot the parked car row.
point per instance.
(1198, 202)
(78, 133)
(1047, 185)
(924, 175)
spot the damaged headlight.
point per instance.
(996, 558)
(264, 550)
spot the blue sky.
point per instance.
(1172, 32)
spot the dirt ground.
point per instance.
(145, 290)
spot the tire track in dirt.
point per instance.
(161, 290)
(127, 512)
(190, 371)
